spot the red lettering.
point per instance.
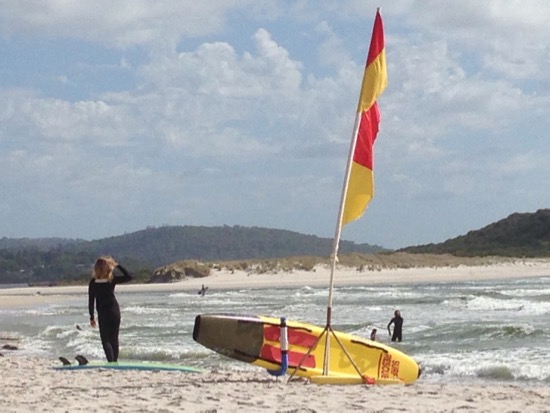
(395, 368)
(385, 366)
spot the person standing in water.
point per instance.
(397, 322)
(373, 334)
(202, 291)
(101, 293)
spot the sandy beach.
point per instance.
(31, 384)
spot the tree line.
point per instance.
(145, 250)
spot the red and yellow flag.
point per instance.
(361, 179)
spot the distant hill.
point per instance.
(41, 244)
(24, 261)
(164, 245)
(518, 235)
(66, 260)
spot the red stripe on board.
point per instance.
(296, 337)
(273, 354)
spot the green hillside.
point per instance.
(159, 246)
(518, 235)
(22, 261)
(60, 260)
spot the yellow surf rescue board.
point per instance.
(257, 340)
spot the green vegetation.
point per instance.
(362, 262)
(174, 252)
(161, 246)
(519, 235)
(70, 261)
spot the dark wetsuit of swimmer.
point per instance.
(397, 322)
(102, 292)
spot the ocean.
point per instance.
(475, 332)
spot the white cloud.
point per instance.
(122, 23)
(510, 36)
(238, 104)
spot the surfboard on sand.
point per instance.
(124, 365)
(256, 340)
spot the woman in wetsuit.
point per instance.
(101, 292)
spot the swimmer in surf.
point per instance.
(397, 322)
(373, 334)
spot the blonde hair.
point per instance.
(103, 268)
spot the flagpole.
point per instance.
(338, 231)
(367, 98)
(337, 235)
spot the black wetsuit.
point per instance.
(397, 328)
(102, 292)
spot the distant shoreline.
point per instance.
(318, 277)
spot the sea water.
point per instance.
(478, 331)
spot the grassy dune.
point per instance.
(362, 262)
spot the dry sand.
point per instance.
(30, 384)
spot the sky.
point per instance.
(118, 116)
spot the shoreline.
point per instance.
(318, 277)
